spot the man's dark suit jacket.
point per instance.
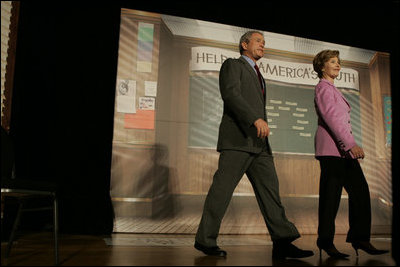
(243, 105)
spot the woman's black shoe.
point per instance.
(367, 247)
(332, 252)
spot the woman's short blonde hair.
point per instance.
(321, 58)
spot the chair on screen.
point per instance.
(24, 192)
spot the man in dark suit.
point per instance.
(244, 148)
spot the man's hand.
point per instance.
(357, 152)
(262, 128)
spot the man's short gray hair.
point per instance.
(246, 38)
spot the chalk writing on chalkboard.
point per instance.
(290, 113)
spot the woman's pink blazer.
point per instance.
(334, 136)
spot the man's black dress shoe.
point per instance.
(288, 250)
(211, 251)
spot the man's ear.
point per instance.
(244, 45)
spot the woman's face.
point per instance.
(331, 68)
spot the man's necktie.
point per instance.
(260, 78)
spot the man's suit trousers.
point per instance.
(261, 172)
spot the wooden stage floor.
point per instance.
(244, 217)
(144, 241)
(174, 250)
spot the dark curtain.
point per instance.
(63, 106)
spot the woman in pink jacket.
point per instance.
(338, 154)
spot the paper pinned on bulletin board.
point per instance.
(387, 110)
(145, 47)
(126, 96)
(150, 88)
(143, 119)
(147, 103)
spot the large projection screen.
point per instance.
(167, 113)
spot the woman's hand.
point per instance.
(357, 152)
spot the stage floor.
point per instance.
(175, 250)
(244, 217)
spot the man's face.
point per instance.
(255, 48)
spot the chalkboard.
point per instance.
(205, 111)
(291, 117)
(290, 112)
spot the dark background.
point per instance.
(65, 74)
